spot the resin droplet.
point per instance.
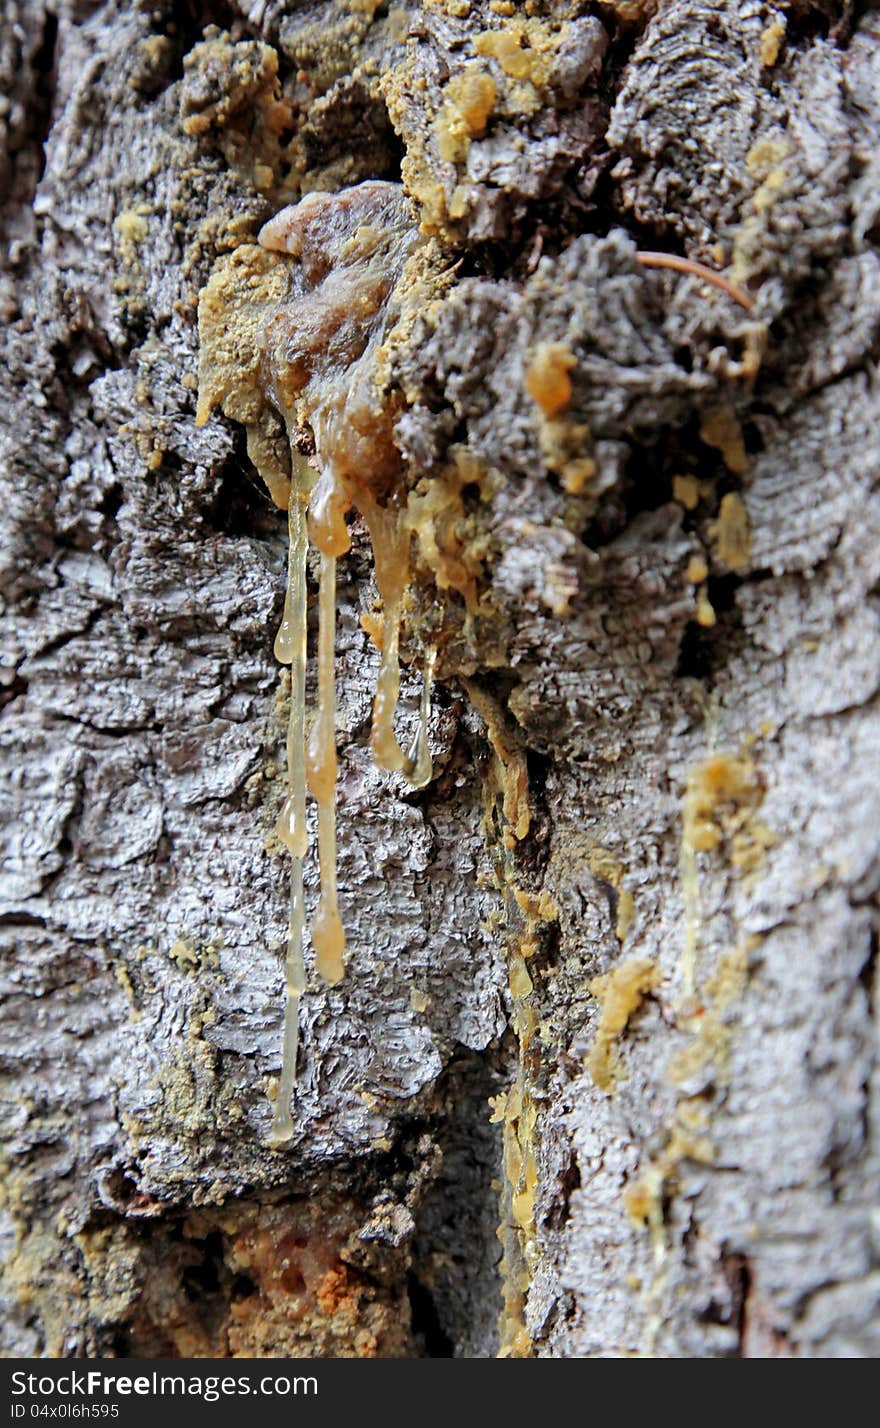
(327, 514)
(291, 827)
(283, 647)
(418, 767)
(328, 938)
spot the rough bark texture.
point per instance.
(678, 643)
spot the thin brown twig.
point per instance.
(697, 270)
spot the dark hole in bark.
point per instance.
(203, 1278)
(703, 651)
(242, 1287)
(14, 690)
(120, 1346)
(241, 504)
(425, 1321)
(44, 68)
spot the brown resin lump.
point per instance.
(290, 332)
(321, 346)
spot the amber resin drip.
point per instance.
(296, 335)
(290, 648)
(390, 539)
(328, 937)
(417, 767)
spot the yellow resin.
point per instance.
(620, 993)
(731, 533)
(390, 539)
(547, 380)
(296, 333)
(511, 762)
(328, 937)
(290, 647)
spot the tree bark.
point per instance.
(636, 906)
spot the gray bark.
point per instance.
(715, 1193)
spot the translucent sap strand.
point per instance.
(386, 750)
(328, 937)
(282, 1123)
(390, 539)
(290, 647)
(417, 767)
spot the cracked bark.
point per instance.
(142, 917)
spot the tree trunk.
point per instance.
(636, 905)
